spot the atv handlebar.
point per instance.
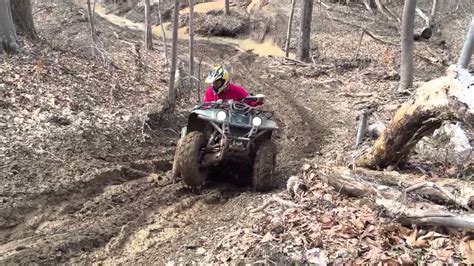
(254, 98)
(237, 106)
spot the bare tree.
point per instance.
(191, 43)
(163, 31)
(367, 4)
(174, 55)
(305, 30)
(468, 47)
(429, 19)
(8, 38)
(434, 10)
(406, 67)
(385, 11)
(288, 31)
(92, 25)
(23, 18)
(226, 7)
(148, 33)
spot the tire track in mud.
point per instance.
(56, 226)
(179, 229)
(301, 133)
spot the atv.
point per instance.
(217, 131)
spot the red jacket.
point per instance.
(232, 92)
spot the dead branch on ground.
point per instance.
(388, 190)
(279, 200)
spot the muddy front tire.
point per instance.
(264, 166)
(175, 173)
(188, 159)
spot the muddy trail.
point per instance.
(129, 215)
(134, 212)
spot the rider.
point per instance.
(222, 89)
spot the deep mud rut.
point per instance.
(134, 213)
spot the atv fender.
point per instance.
(194, 124)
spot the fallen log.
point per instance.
(441, 193)
(423, 34)
(409, 215)
(388, 191)
(362, 182)
(446, 98)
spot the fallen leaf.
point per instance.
(306, 167)
(317, 256)
(327, 197)
(327, 222)
(299, 241)
(358, 223)
(225, 257)
(443, 254)
(348, 232)
(374, 254)
(467, 250)
(431, 235)
(437, 243)
(267, 237)
(200, 251)
(412, 240)
(405, 259)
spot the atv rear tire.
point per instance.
(175, 173)
(188, 159)
(264, 166)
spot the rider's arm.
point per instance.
(209, 96)
(241, 93)
(244, 93)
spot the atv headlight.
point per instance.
(256, 121)
(221, 115)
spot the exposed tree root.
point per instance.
(438, 100)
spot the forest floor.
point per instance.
(86, 154)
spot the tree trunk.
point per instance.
(8, 38)
(386, 12)
(92, 25)
(163, 31)
(191, 44)
(361, 129)
(226, 7)
(305, 30)
(408, 22)
(430, 26)
(368, 6)
(468, 47)
(174, 55)
(148, 33)
(23, 18)
(288, 31)
(434, 9)
(441, 99)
